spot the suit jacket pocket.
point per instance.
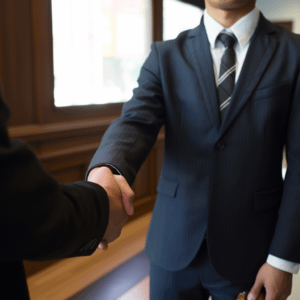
(270, 92)
(167, 187)
(268, 200)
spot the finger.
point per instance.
(103, 246)
(127, 194)
(255, 291)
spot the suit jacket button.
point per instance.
(220, 146)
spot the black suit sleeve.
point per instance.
(41, 219)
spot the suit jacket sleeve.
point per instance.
(129, 139)
(286, 241)
(41, 219)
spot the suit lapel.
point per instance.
(199, 47)
(259, 54)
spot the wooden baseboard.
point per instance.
(70, 276)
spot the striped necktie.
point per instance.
(227, 71)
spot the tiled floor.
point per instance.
(131, 282)
(119, 281)
(138, 292)
(141, 290)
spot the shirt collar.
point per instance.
(243, 28)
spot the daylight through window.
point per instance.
(99, 47)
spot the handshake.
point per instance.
(120, 197)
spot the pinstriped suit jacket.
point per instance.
(220, 178)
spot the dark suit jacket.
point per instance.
(220, 178)
(39, 218)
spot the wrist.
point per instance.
(95, 170)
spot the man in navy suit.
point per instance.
(228, 93)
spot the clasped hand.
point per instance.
(120, 197)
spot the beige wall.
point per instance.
(281, 10)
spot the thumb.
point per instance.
(127, 194)
(103, 245)
(255, 291)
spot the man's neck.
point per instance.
(227, 17)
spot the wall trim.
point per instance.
(56, 130)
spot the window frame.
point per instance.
(43, 76)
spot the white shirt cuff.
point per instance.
(282, 264)
(113, 167)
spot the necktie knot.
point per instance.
(227, 38)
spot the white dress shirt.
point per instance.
(243, 29)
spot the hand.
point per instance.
(278, 283)
(120, 196)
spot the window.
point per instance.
(99, 47)
(179, 16)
